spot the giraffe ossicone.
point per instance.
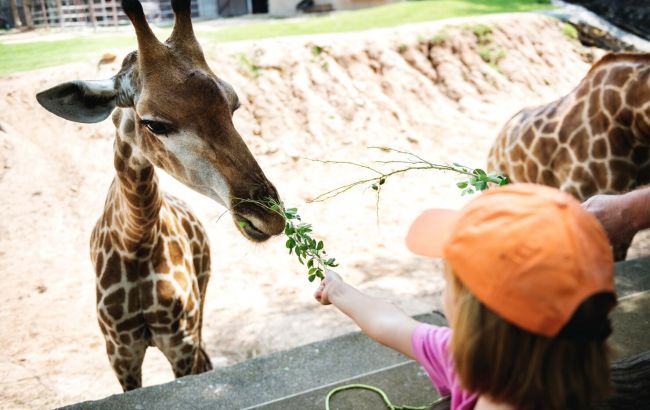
(150, 252)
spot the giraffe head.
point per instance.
(177, 114)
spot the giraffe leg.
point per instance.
(185, 354)
(126, 361)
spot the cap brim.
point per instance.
(430, 231)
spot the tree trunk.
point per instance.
(14, 14)
(28, 15)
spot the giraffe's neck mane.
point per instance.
(620, 58)
(134, 200)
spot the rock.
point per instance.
(603, 26)
(630, 15)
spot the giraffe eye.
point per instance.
(157, 127)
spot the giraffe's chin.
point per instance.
(249, 230)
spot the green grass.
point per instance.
(30, 56)
(384, 16)
(569, 31)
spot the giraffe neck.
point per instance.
(135, 198)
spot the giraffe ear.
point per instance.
(80, 101)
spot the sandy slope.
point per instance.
(387, 87)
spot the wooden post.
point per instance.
(104, 14)
(46, 16)
(115, 22)
(59, 10)
(91, 13)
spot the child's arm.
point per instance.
(379, 320)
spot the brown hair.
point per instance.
(509, 365)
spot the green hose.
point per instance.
(381, 393)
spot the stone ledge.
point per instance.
(300, 378)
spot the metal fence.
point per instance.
(70, 13)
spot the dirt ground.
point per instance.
(420, 88)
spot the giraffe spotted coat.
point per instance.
(594, 140)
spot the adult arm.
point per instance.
(623, 215)
(378, 319)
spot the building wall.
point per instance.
(282, 8)
(207, 9)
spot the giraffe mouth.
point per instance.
(249, 230)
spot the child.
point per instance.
(529, 285)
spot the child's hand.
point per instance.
(332, 280)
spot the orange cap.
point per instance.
(530, 253)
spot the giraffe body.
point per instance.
(152, 260)
(150, 253)
(596, 139)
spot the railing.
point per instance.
(70, 13)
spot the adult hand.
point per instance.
(332, 281)
(616, 216)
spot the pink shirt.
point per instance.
(430, 347)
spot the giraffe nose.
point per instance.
(255, 215)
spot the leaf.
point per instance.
(320, 245)
(310, 263)
(312, 277)
(462, 184)
(290, 243)
(480, 172)
(312, 271)
(242, 224)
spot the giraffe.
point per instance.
(596, 139)
(150, 252)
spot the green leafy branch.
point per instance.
(475, 179)
(309, 251)
(479, 180)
